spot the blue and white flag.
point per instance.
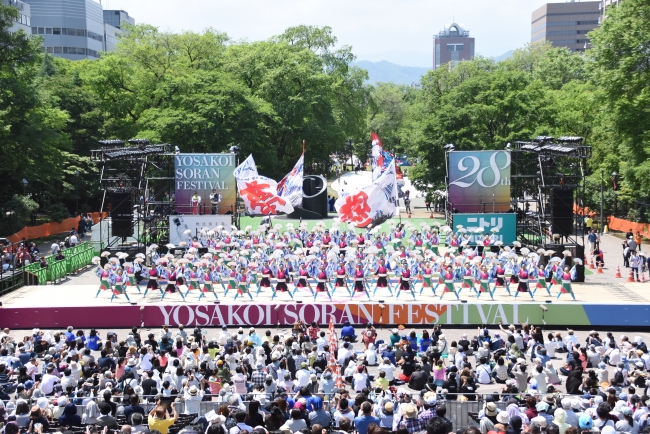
(290, 187)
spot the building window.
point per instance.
(48, 30)
(71, 32)
(455, 55)
(450, 47)
(64, 31)
(56, 31)
(41, 30)
(50, 50)
(57, 50)
(34, 30)
(81, 32)
(65, 50)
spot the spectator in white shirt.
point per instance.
(360, 379)
(321, 342)
(193, 397)
(483, 372)
(570, 340)
(388, 368)
(302, 376)
(48, 381)
(55, 248)
(239, 380)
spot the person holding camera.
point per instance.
(159, 418)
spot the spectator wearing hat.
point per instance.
(36, 416)
(490, 418)
(586, 423)
(360, 378)
(410, 420)
(192, 397)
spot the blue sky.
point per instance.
(399, 31)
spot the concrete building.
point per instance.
(606, 4)
(114, 22)
(565, 24)
(23, 22)
(75, 29)
(453, 44)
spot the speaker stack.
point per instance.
(122, 215)
(562, 210)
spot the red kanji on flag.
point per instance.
(257, 197)
(356, 209)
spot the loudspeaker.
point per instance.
(121, 228)
(121, 215)
(562, 210)
(121, 206)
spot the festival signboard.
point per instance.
(196, 175)
(479, 181)
(503, 225)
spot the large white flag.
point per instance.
(260, 194)
(374, 203)
(290, 187)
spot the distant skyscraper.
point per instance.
(453, 44)
(565, 24)
(75, 29)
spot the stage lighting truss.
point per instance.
(116, 150)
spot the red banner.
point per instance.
(47, 229)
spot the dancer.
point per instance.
(153, 281)
(468, 281)
(265, 281)
(523, 282)
(484, 283)
(541, 279)
(208, 285)
(104, 275)
(501, 281)
(130, 273)
(359, 281)
(194, 281)
(404, 281)
(448, 277)
(119, 283)
(566, 283)
(321, 286)
(281, 286)
(427, 274)
(382, 277)
(302, 282)
(341, 280)
(242, 285)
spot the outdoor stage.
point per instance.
(602, 301)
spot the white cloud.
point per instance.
(374, 28)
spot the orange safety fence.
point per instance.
(578, 210)
(625, 225)
(48, 229)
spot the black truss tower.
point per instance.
(142, 175)
(548, 177)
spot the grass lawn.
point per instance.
(254, 222)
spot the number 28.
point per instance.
(476, 165)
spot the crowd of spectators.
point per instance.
(245, 383)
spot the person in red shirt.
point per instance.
(312, 331)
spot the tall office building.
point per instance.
(114, 22)
(23, 22)
(565, 24)
(453, 44)
(75, 29)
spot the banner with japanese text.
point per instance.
(372, 204)
(260, 194)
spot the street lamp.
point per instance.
(614, 175)
(24, 184)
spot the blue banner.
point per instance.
(505, 224)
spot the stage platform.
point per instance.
(602, 301)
